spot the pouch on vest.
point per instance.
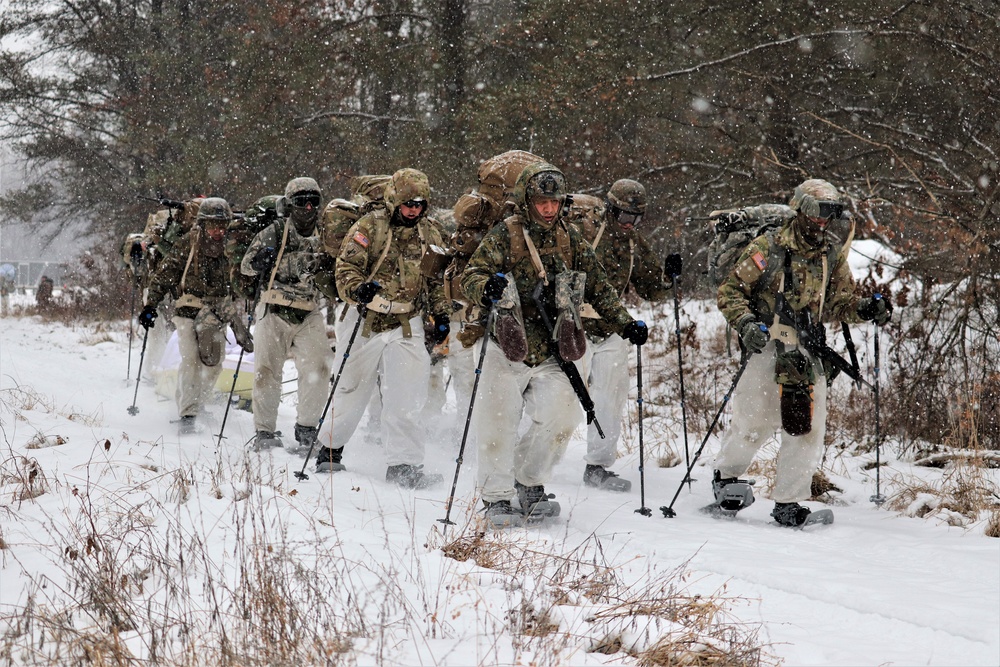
(568, 329)
(208, 333)
(433, 261)
(794, 373)
(508, 325)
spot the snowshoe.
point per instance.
(328, 460)
(535, 503)
(267, 440)
(732, 494)
(600, 478)
(411, 477)
(500, 514)
(792, 515)
(187, 425)
(306, 437)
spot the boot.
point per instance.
(535, 503)
(731, 493)
(602, 478)
(790, 514)
(501, 515)
(411, 477)
(267, 440)
(188, 425)
(329, 460)
(306, 437)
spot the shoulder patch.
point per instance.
(759, 259)
(361, 239)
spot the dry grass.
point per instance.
(963, 494)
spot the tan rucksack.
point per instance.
(340, 214)
(498, 174)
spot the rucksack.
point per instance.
(498, 174)
(240, 233)
(734, 229)
(340, 214)
(585, 212)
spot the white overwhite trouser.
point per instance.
(546, 397)
(462, 363)
(195, 380)
(605, 368)
(757, 415)
(405, 370)
(274, 340)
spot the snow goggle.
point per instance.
(628, 219)
(414, 203)
(305, 200)
(831, 210)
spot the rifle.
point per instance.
(812, 336)
(568, 367)
(169, 203)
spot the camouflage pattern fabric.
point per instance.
(295, 276)
(207, 277)
(613, 252)
(738, 290)
(494, 255)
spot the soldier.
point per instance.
(43, 295)
(380, 270)
(195, 272)
(7, 286)
(796, 271)
(285, 258)
(523, 260)
(627, 259)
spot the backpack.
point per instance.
(498, 174)
(734, 229)
(585, 212)
(341, 214)
(240, 233)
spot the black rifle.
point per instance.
(169, 203)
(813, 338)
(568, 367)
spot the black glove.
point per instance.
(672, 265)
(147, 318)
(636, 332)
(494, 288)
(365, 292)
(754, 335)
(875, 308)
(135, 254)
(442, 327)
(263, 261)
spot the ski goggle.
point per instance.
(414, 203)
(628, 219)
(831, 210)
(305, 200)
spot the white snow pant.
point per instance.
(195, 380)
(506, 389)
(405, 369)
(274, 340)
(605, 369)
(4, 305)
(462, 363)
(756, 416)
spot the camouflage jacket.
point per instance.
(627, 259)
(207, 277)
(297, 263)
(494, 256)
(399, 272)
(740, 296)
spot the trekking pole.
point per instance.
(142, 355)
(301, 475)
(668, 510)
(131, 334)
(878, 498)
(468, 420)
(236, 374)
(673, 267)
(643, 510)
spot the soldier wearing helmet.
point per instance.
(195, 273)
(381, 269)
(629, 261)
(796, 271)
(286, 259)
(524, 258)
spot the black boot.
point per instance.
(306, 437)
(790, 514)
(601, 478)
(188, 425)
(329, 460)
(535, 503)
(267, 440)
(411, 477)
(501, 515)
(731, 493)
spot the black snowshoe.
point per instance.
(187, 425)
(328, 460)
(306, 437)
(793, 515)
(602, 478)
(535, 503)
(500, 514)
(411, 477)
(267, 440)
(731, 495)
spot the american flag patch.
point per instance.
(759, 259)
(361, 239)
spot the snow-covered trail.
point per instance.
(874, 588)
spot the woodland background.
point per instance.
(708, 104)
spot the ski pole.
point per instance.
(668, 510)
(236, 374)
(673, 267)
(131, 334)
(468, 420)
(301, 475)
(142, 355)
(643, 510)
(878, 498)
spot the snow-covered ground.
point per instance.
(177, 523)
